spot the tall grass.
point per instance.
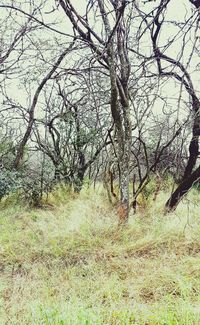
(71, 263)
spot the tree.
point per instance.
(112, 54)
(170, 67)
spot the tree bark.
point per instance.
(182, 190)
(124, 180)
(194, 143)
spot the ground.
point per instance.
(70, 263)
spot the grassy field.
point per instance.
(70, 263)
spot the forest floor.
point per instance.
(70, 263)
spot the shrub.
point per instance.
(8, 182)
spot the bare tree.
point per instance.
(111, 51)
(173, 68)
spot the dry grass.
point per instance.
(71, 264)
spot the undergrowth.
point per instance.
(70, 263)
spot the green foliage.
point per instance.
(7, 153)
(8, 182)
(32, 191)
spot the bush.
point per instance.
(32, 191)
(8, 182)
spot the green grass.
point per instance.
(70, 263)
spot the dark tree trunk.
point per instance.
(78, 183)
(194, 143)
(57, 177)
(189, 177)
(182, 190)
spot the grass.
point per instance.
(70, 263)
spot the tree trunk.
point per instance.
(57, 177)
(189, 177)
(124, 180)
(78, 182)
(194, 143)
(114, 57)
(182, 190)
